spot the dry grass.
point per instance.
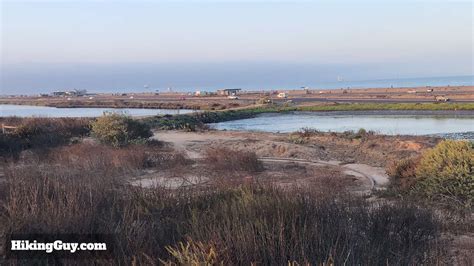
(80, 189)
(88, 156)
(40, 133)
(228, 160)
(242, 225)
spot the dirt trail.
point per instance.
(376, 175)
(194, 143)
(184, 141)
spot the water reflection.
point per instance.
(391, 124)
(43, 111)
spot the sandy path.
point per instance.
(376, 175)
(186, 141)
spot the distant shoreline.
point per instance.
(421, 98)
(395, 83)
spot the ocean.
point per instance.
(381, 83)
(400, 83)
(355, 84)
(256, 84)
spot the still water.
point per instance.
(43, 111)
(380, 122)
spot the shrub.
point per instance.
(51, 131)
(39, 133)
(225, 159)
(10, 145)
(137, 130)
(447, 172)
(360, 134)
(297, 139)
(303, 135)
(308, 132)
(403, 172)
(119, 130)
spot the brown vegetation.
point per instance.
(84, 188)
(403, 173)
(224, 159)
(145, 102)
(362, 146)
(78, 190)
(40, 133)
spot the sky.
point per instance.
(105, 44)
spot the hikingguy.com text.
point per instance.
(58, 245)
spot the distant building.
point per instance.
(203, 93)
(59, 93)
(228, 92)
(76, 92)
(70, 93)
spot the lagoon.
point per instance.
(390, 123)
(7, 110)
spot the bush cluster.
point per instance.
(119, 130)
(447, 172)
(444, 173)
(360, 134)
(403, 173)
(37, 133)
(196, 121)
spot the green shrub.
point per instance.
(447, 172)
(119, 130)
(360, 134)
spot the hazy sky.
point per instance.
(106, 44)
